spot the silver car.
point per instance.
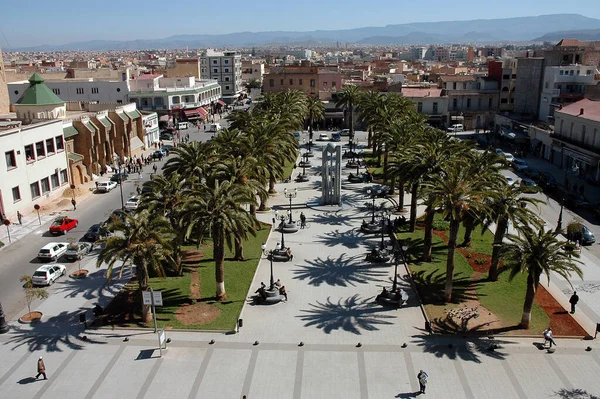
(78, 250)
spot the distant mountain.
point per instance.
(583, 35)
(506, 29)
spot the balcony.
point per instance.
(577, 143)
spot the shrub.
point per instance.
(480, 261)
(441, 225)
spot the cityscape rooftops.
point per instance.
(421, 92)
(38, 93)
(457, 78)
(586, 108)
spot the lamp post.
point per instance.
(373, 195)
(270, 258)
(6, 222)
(401, 252)
(290, 195)
(121, 189)
(305, 156)
(383, 220)
(562, 201)
(37, 209)
(282, 234)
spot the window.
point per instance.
(333, 85)
(291, 82)
(54, 180)
(45, 185)
(454, 86)
(419, 107)
(175, 100)
(271, 83)
(490, 103)
(505, 77)
(504, 101)
(468, 103)
(227, 61)
(94, 90)
(119, 101)
(226, 87)
(227, 78)
(454, 103)
(29, 154)
(215, 70)
(214, 62)
(16, 194)
(312, 83)
(571, 72)
(11, 161)
(479, 103)
(226, 69)
(56, 91)
(300, 82)
(464, 86)
(588, 72)
(35, 190)
(50, 146)
(324, 84)
(79, 90)
(435, 108)
(281, 82)
(63, 176)
(546, 85)
(561, 72)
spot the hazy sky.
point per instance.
(64, 21)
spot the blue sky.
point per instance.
(64, 21)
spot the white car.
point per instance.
(132, 203)
(510, 180)
(106, 186)
(323, 137)
(509, 157)
(52, 251)
(48, 274)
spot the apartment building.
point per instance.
(308, 78)
(253, 70)
(429, 101)
(4, 97)
(472, 101)
(576, 138)
(85, 90)
(226, 69)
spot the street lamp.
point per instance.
(270, 258)
(575, 169)
(373, 195)
(282, 234)
(290, 195)
(121, 188)
(402, 253)
(383, 220)
(37, 209)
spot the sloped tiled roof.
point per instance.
(421, 92)
(38, 93)
(134, 114)
(591, 109)
(569, 43)
(458, 78)
(102, 119)
(69, 131)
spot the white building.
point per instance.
(563, 85)
(151, 130)
(87, 90)
(226, 69)
(34, 166)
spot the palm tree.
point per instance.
(510, 206)
(536, 254)
(146, 241)
(215, 207)
(316, 112)
(190, 160)
(463, 186)
(368, 104)
(348, 97)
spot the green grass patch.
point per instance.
(288, 167)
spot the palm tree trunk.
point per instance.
(400, 195)
(385, 167)
(428, 236)
(310, 127)
(469, 225)
(253, 209)
(142, 278)
(239, 248)
(454, 225)
(351, 113)
(272, 182)
(393, 185)
(219, 255)
(369, 138)
(414, 190)
(532, 284)
(497, 249)
(263, 205)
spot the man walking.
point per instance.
(74, 203)
(573, 301)
(20, 217)
(41, 368)
(422, 377)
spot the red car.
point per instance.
(63, 224)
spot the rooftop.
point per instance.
(421, 92)
(458, 78)
(590, 108)
(38, 93)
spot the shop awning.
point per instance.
(191, 112)
(195, 113)
(221, 102)
(136, 143)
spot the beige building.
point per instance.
(185, 67)
(4, 98)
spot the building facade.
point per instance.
(226, 69)
(309, 79)
(4, 97)
(472, 101)
(86, 90)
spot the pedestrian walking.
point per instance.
(154, 168)
(573, 300)
(302, 220)
(74, 203)
(20, 217)
(41, 368)
(422, 377)
(549, 338)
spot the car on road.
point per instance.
(532, 173)
(509, 157)
(95, 232)
(62, 224)
(48, 274)
(336, 137)
(510, 180)
(499, 152)
(519, 164)
(297, 135)
(132, 203)
(105, 186)
(457, 128)
(345, 132)
(52, 251)
(529, 186)
(160, 152)
(77, 250)
(547, 180)
(576, 201)
(166, 136)
(119, 177)
(580, 232)
(323, 137)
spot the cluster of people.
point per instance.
(262, 290)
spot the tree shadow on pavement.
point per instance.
(349, 238)
(333, 219)
(53, 334)
(93, 286)
(575, 394)
(341, 271)
(468, 350)
(352, 314)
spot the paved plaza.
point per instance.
(351, 346)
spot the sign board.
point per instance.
(162, 337)
(147, 298)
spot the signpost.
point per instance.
(154, 299)
(162, 339)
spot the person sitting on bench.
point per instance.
(261, 291)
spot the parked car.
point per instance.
(52, 251)
(499, 152)
(95, 232)
(509, 157)
(510, 180)
(213, 127)
(547, 180)
(345, 132)
(132, 203)
(457, 128)
(582, 234)
(336, 137)
(48, 274)
(119, 177)
(323, 137)
(532, 173)
(519, 164)
(576, 201)
(297, 135)
(77, 250)
(62, 224)
(105, 186)
(529, 186)
(166, 136)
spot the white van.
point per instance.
(182, 125)
(457, 128)
(213, 127)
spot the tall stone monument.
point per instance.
(4, 99)
(332, 174)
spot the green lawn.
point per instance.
(238, 276)
(289, 167)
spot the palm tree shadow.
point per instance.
(349, 238)
(53, 334)
(431, 287)
(352, 314)
(334, 219)
(94, 285)
(341, 271)
(469, 350)
(575, 393)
